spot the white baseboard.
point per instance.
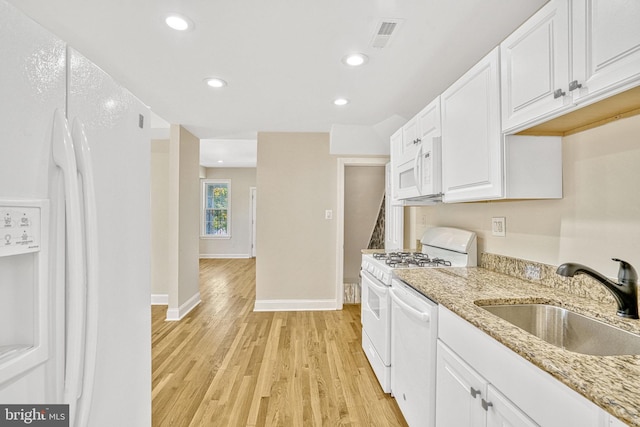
(224, 256)
(295, 305)
(159, 299)
(174, 314)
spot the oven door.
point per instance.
(376, 315)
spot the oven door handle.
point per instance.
(373, 282)
(419, 315)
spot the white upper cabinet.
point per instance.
(410, 140)
(478, 161)
(567, 55)
(535, 67)
(606, 39)
(472, 166)
(429, 156)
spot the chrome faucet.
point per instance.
(625, 293)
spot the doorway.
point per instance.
(343, 163)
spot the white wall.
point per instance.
(363, 193)
(359, 140)
(160, 219)
(184, 219)
(296, 253)
(598, 218)
(239, 245)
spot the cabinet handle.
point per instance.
(417, 141)
(474, 392)
(558, 93)
(574, 85)
(486, 405)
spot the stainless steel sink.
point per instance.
(569, 330)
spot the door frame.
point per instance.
(343, 162)
(252, 215)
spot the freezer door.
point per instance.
(32, 87)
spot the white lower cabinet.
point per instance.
(480, 382)
(465, 398)
(501, 412)
(458, 391)
(614, 422)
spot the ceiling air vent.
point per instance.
(385, 31)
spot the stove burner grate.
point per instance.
(410, 259)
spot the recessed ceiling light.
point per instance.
(355, 59)
(179, 22)
(220, 161)
(215, 82)
(341, 101)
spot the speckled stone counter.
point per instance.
(611, 382)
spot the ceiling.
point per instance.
(281, 58)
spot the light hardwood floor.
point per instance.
(225, 365)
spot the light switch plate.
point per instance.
(498, 226)
(328, 214)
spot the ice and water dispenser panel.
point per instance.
(20, 230)
(24, 278)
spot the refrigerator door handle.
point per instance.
(64, 157)
(85, 171)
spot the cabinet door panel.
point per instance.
(396, 150)
(607, 45)
(456, 406)
(534, 64)
(409, 140)
(429, 119)
(471, 134)
(503, 413)
(430, 161)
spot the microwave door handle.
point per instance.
(417, 173)
(85, 170)
(64, 157)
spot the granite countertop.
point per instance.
(611, 382)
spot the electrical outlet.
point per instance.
(498, 226)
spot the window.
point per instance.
(216, 208)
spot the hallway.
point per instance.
(225, 365)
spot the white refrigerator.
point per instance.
(75, 321)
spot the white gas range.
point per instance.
(441, 247)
